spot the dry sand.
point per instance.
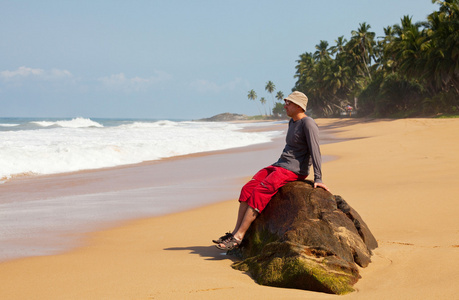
(400, 175)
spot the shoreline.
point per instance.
(30, 204)
(395, 173)
(161, 156)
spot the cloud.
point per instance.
(119, 82)
(204, 86)
(21, 72)
(26, 73)
(56, 74)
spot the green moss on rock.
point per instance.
(278, 268)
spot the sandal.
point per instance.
(229, 244)
(222, 238)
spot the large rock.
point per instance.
(308, 239)
(225, 117)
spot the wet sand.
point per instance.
(45, 214)
(400, 175)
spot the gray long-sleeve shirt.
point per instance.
(302, 149)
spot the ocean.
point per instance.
(39, 146)
(42, 215)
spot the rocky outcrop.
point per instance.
(308, 239)
(225, 117)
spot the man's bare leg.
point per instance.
(249, 216)
(240, 215)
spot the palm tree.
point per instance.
(305, 63)
(270, 87)
(322, 52)
(339, 47)
(278, 106)
(280, 96)
(385, 59)
(253, 96)
(304, 72)
(363, 43)
(263, 102)
(442, 51)
(411, 60)
(415, 60)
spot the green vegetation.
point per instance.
(258, 118)
(447, 116)
(278, 265)
(412, 71)
(277, 111)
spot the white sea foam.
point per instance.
(74, 123)
(9, 125)
(79, 144)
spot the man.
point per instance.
(301, 150)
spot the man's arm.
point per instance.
(312, 137)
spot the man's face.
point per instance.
(291, 108)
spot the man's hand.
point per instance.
(322, 185)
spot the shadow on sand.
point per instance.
(207, 252)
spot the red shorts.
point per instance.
(260, 189)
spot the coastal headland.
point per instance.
(400, 175)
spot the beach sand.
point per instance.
(400, 175)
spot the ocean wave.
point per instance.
(74, 123)
(150, 124)
(9, 125)
(77, 147)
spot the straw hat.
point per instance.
(299, 99)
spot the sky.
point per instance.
(170, 59)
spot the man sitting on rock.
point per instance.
(301, 150)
